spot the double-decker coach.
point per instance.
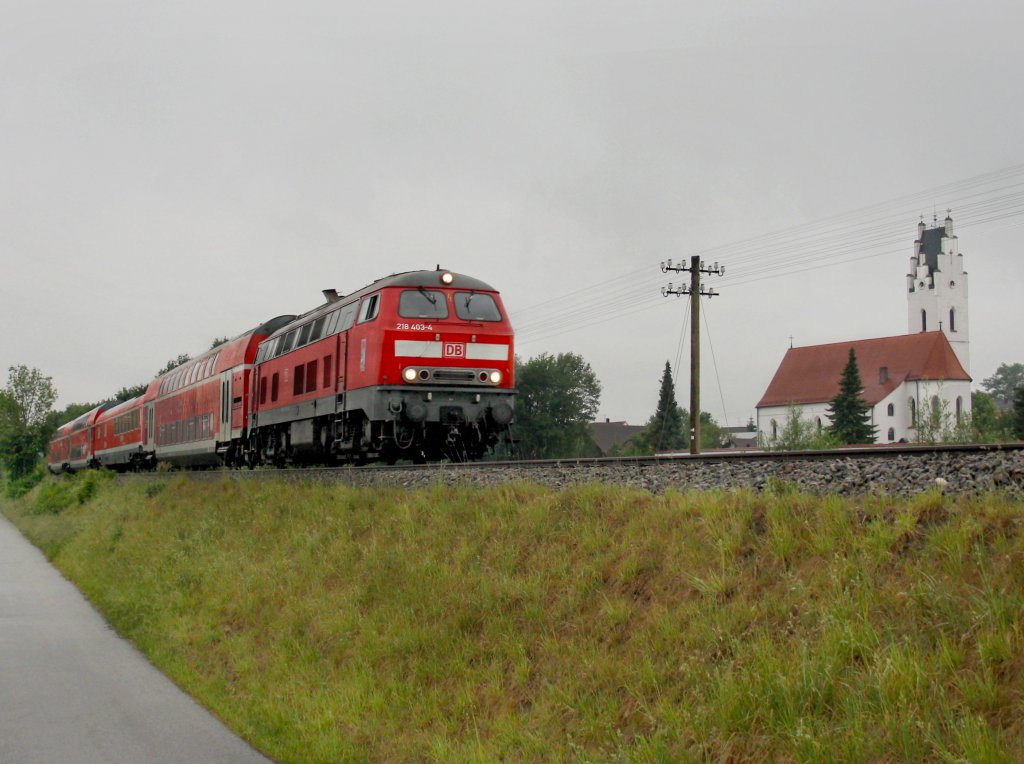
(197, 414)
(79, 442)
(117, 437)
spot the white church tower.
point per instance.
(937, 288)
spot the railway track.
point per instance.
(903, 469)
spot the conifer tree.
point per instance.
(667, 428)
(849, 413)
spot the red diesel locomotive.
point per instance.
(415, 366)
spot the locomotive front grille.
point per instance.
(454, 375)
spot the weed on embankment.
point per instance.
(517, 623)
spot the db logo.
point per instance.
(455, 350)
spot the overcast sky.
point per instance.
(172, 172)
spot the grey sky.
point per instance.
(174, 172)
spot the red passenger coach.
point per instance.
(417, 365)
(59, 457)
(117, 437)
(197, 414)
(73, 448)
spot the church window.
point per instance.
(819, 424)
(775, 429)
(883, 375)
(924, 320)
(952, 319)
(891, 410)
(892, 434)
(913, 413)
(959, 408)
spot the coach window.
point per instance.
(371, 306)
(473, 306)
(327, 371)
(263, 390)
(303, 335)
(420, 303)
(298, 379)
(273, 388)
(272, 347)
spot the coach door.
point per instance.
(150, 420)
(225, 406)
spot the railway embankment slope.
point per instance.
(516, 622)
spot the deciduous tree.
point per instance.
(174, 363)
(558, 398)
(1018, 413)
(24, 405)
(1003, 384)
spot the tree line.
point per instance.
(558, 400)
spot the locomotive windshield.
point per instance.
(422, 303)
(474, 306)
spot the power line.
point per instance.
(873, 231)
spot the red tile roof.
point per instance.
(811, 374)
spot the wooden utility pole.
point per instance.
(695, 354)
(695, 269)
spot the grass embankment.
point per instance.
(517, 623)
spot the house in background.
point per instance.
(608, 434)
(900, 375)
(904, 377)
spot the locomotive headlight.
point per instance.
(409, 375)
(447, 278)
(495, 377)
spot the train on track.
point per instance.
(417, 366)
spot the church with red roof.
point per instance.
(906, 376)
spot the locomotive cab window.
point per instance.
(371, 306)
(474, 306)
(421, 303)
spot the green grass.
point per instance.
(517, 623)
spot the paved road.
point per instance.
(72, 691)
